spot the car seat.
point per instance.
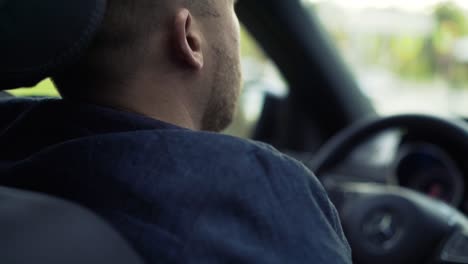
(37, 38)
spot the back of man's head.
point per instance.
(181, 53)
(118, 49)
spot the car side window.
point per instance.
(43, 89)
(261, 77)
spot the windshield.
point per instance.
(408, 56)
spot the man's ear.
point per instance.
(188, 40)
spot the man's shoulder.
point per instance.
(228, 157)
(221, 146)
(211, 154)
(216, 141)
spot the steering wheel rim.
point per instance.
(410, 213)
(346, 141)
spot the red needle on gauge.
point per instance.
(435, 191)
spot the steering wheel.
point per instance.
(390, 224)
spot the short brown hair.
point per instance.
(119, 46)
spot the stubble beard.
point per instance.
(225, 94)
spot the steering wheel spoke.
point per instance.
(386, 224)
(455, 249)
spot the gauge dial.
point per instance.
(427, 169)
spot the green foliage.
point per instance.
(451, 13)
(424, 57)
(45, 88)
(412, 58)
(418, 58)
(452, 25)
(249, 47)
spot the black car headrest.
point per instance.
(38, 37)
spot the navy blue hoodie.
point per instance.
(177, 195)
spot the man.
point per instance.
(135, 140)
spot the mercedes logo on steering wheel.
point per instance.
(382, 229)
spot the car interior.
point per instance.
(38, 228)
(399, 182)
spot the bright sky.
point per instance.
(400, 4)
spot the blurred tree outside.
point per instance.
(249, 47)
(414, 57)
(451, 26)
(243, 125)
(44, 89)
(427, 57)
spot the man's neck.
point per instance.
(170, 110)
(177, 115)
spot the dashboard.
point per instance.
(429, 165)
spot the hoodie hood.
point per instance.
(56, 146)
(28, 126)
